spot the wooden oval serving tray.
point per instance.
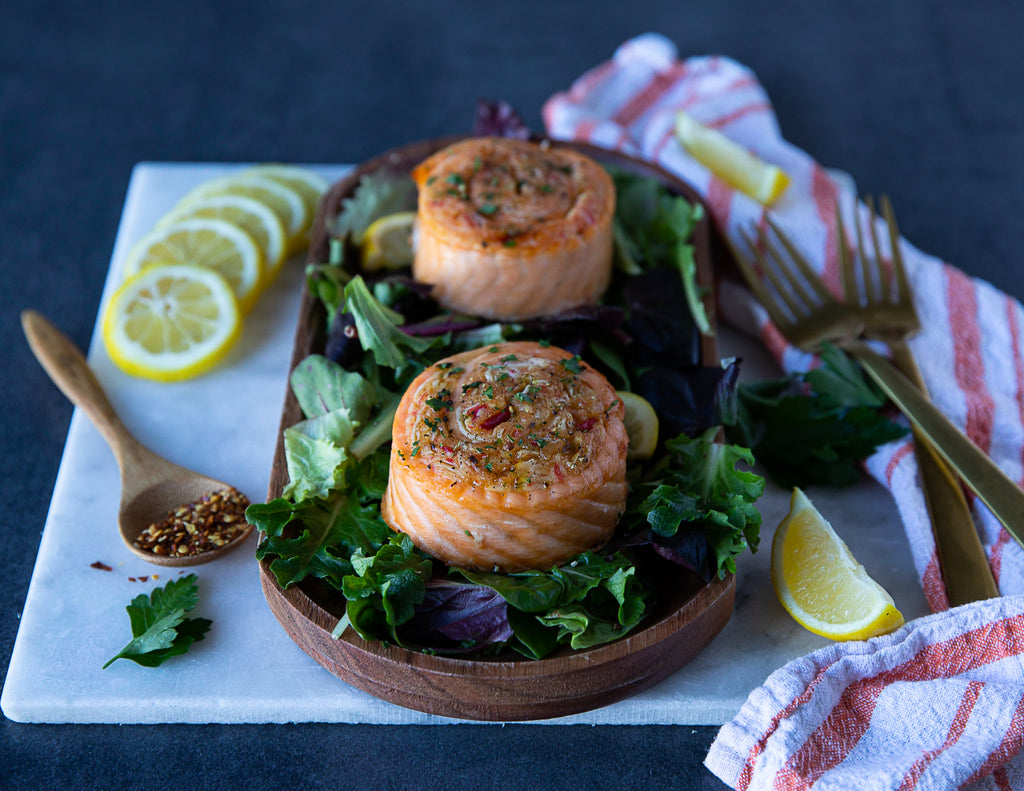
(504, 688)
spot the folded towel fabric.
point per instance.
(950, 686)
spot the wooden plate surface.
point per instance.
(507, 687)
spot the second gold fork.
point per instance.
(886, 306)
(806, 312)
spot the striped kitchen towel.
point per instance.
(971, 348)
(939, 703)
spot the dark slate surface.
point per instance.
(922, 100)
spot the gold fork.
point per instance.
(807, 313)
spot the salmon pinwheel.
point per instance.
(507, 458)
(512, 230)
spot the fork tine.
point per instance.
(903, 295)
(882, 291)
(851, 291)
(761, 291)
(792, 290)
(811, 278)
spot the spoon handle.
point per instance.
(68, 369)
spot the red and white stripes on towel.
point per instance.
(940, 703)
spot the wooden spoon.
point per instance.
(151, 486)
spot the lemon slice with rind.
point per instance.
(820, 582)
(253, 217)
(641, 423)
(387, 243)
(731, 162)
(203, 241)
(171, 322)
(284, 201)
(311, 186)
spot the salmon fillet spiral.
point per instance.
(507, 458)
(512, 230)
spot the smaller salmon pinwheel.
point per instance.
(511, 230)
(507, 458)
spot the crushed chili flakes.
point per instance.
(101, 566)
(209, 523)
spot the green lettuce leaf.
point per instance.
(379, 328)
(322, 386)
(653, 228)
(315, 463)
(333, 529)
(588, 601)
(702, 485)
(608, 612)
(386, 585)
(378, 194)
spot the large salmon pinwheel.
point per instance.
(512, 230)
(507, 458)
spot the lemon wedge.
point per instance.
(253, 217)
(284, 201)
(732, 163)
(821, 584)
(214, 244)
(311, 186)
(171, 322)
(641, 425)
(387, 243)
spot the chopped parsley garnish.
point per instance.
(573, 364)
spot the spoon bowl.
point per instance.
(151, 486)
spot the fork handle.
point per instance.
(1002, 496)
(965, 568)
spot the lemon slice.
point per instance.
(250, 215)
(732, 163)
(821, 584)
(387, 243)
(171, 322)
(641, 425)
(215, 244)
(284, 201)
(311, 186)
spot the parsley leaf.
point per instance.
(160, 629)
(814, 429)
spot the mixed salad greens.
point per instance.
(691, 508)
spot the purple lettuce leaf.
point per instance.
(459, 616)
(499, 119)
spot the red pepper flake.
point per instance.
(100, 566)
(496, 419)
(586, 425)
(202, 526)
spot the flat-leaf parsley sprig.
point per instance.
(160, 629)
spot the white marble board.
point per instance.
(247, 669)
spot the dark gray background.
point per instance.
(919, 99)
